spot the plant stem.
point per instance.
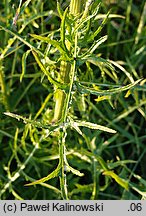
(65, 70)
(60, 95)
(62, 157)
(62, 99)
(75, 7)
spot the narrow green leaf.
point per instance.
(52, 42)
(81, 188)
(87, 8)
(44, 104)
(103, 16)
(34, 17)
(63, 30)
(83, 89)
(129, 75)
(19, 37)
(17, 197)
(142, 181)
(50, 127)
(94, 126)
(96, 60)
(140, 190)
(102, 163)
(101, 98)
(24, 6)
(83, 155)
(97, 43)
(75, 126)
(34, 123)
(24, 57)
(74, 171)
(53, 174)
(51, 79)
(86, 19)
(26, 22)
(94, 46)
(119, 180)
(60, 12)
(119, 163)
(128, 93)
(99, 28)
(25, 120)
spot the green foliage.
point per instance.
(72, 111)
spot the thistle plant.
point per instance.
(74, 47)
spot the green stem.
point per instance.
(60, 95)
(62, 99)
(62, 157)
(65, 70)
(75, 7)
(68, 96)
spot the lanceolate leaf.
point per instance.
(99, 28)
(63, 30)
(24, 57)
(97, 43)
(75, 171)
(86, 19)
(83, 89)
(42, 67)
(94, 46)
(94, 126)
(119, 180)
(113, 165)
(60, 11)
(20, 38)
(25, 120)
(96, 60)
(24, 6)
(34, 123)
(102, 163)
(52, 42)
(53, 174)
(75, 126)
